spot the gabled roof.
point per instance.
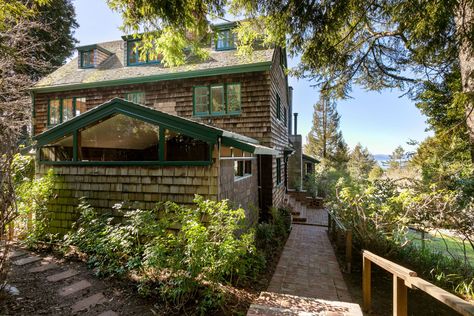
(309, 158)
(114, 70)
(186, 126)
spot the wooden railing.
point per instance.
(404, 278)
(341, 236)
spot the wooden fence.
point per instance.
(403, 279)
(342, 238)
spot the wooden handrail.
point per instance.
(403, 278)
(334, 220)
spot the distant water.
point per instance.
(381, 158)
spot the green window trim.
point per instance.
(227, 41)
(209, 107)
(160, 162)
(85, 58)
(61, 108)
(147, 60)
(211, 102)
(278, 107)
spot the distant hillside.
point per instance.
(381, 158)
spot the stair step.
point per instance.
(299, 219)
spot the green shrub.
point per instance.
(271, 236)
(33, 195)
(185, 253)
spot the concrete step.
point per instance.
(299, 219)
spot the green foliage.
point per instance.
(272, 235)
(360, 163)
(33, 195)
(183, 253)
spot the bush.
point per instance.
(184, 253)
(33, 195)
(271, 236)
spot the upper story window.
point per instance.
(220, 99)
(136, 57)
(87, 59)
(225, 40)
(136, 97)
(63, 109)
(278, 107)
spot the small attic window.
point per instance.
(87, 58)
(225, 39)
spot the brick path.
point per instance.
(307, 279)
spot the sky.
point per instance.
(381, 121)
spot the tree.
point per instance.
(341, 157)
(376, 173)
(397, 159)
(376, 44)
(361, 163)
(23, 57)
(324, 139)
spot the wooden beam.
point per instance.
(366, 284)
(400, 298)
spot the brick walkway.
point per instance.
(307, 279)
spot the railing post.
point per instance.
(399, 297)
(366, 283)
(349, 250)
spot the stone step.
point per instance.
(108, 313)
(299, 219)
(75, 287)
(62, 275)
(16, 253)
(27, 260)
(88, 302)
(45, 266)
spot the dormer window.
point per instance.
(135, 57)
(87, 59)
(225, 40)
(91, 56)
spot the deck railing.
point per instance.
(341, 236)
(404, 278)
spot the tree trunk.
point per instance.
(464, 23)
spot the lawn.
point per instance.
(451, 245)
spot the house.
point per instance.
(118, 126)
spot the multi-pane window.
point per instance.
(136, 97)
(242, 168)
(136, 57)
(225, 40)
(121, 138)
(278, 170)
(217, 99)
(87, 59)
(61, 110)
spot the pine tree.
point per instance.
(324, 138)
(397, 159)
(361, 163)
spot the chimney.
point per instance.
(296, 123)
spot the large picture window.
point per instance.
(119, 138)
(179, 147)
(218, 99)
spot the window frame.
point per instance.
(61, 102)
(278, 107)
(136, 93)
(88, 65)
(226, 111)
(138, 62)
(245, 175)
(224, 99)
(160, 162)
(230, 40)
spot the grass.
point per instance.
(443, 243)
